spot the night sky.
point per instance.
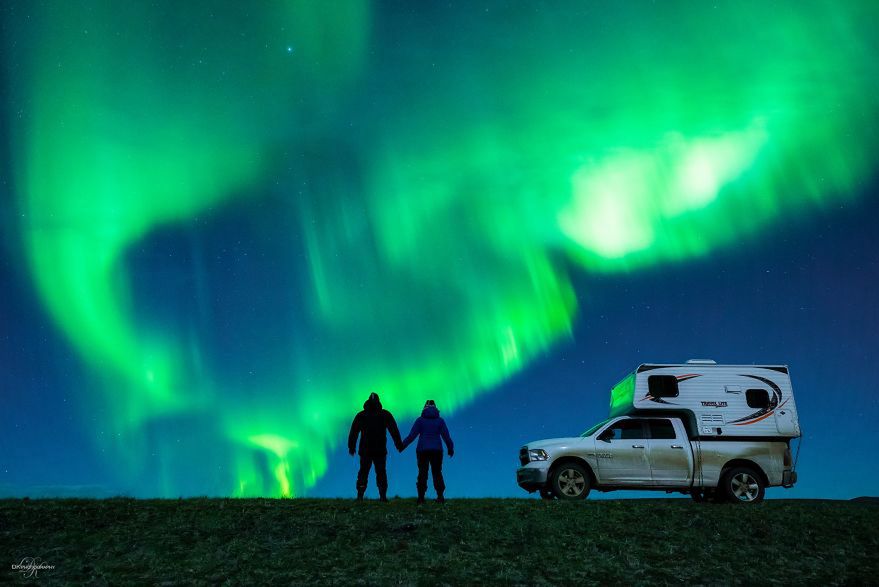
(224, 225)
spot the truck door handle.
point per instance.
(637, 446)
(676, 446)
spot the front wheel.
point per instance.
(743, 485)
(570, 481)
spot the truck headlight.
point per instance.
(537, 454)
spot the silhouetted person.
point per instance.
(431, 430)
(373, 424)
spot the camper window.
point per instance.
(757, 398)
(661, 429)
(663, 385)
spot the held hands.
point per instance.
(451, 452)
(351, 451)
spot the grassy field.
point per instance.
(506, 541)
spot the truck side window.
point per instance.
(663, 385)
(624, 430)
(757, 398)
(662, 429)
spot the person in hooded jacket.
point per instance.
(372, 425)
(431, 431)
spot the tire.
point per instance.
(743, 485)
(570, 481)
(546, 493)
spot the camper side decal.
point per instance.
(685, 377)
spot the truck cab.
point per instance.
(620, 452)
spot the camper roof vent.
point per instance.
(701, 362)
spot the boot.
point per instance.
(420, 498)
(440, 498)
(382, 496)
(360, 493)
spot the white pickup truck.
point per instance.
(653, 453)
(667, 445)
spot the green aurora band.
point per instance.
(492, 151)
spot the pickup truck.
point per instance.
(646, 452)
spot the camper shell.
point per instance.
(714, 401)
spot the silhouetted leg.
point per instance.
(381, 475)
(363, 475)
(436, 469)
(423, 465)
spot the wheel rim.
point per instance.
(745, 487)
(571, 482)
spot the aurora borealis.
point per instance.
(427, 192)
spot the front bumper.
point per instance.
(788, 478)
(531, 478)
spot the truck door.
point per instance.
(621, 452)
(670, 453)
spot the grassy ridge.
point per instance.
(307, 541)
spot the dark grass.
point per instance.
(499, 541)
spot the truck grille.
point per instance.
(523, 455)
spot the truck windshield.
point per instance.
(594, 428)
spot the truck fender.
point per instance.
(580, 461)
(744, 463)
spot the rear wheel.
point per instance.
(743, 485)
(546, 493)
(570, 481)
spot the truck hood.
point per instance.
(555, 442)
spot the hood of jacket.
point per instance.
(430, 412)
(372, 404)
